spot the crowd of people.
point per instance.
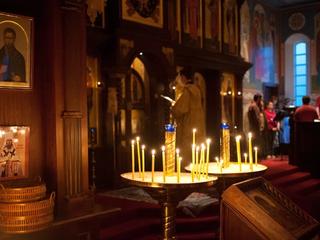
(268, 122)
(270, 125)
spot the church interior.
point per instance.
(73, 131)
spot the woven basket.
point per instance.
(22, 191)
(26, 217)
(37, 208)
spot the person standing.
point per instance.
(256, 121)
(305, 113)
(318, 106)
(272, 129)
(12, 63)
(188, 112)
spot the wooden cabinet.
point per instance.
(254, 209)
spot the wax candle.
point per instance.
(238, 151)
(245, 157)
(194, 135)
(153, 153)
(221, 164)
(250, 150)
(178, 153)
(163, 148)
(256, 155)
(139, 159)
(207, 159)
(132, 158)
(202, 159)
(178, 168)
(197, 161)
(193, 161)
(143, 161)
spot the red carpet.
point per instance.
(141, 220)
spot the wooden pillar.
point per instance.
(75, 165)
(64, 91)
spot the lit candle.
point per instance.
(221, 164)
(193, 161)
(178, 153)
(194, 136)
(256, 155)
(238, 151)
(202, 159)
(153, 152)
(132, 153)
(179, 168)
(207, 160)
(250, 150)
(139, 159)
(197, 161)
(245, 157)
(143, 162)
(163, 148)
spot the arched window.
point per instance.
(300, 71)
(297, 70)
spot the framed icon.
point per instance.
(14, 152)
(16, 45)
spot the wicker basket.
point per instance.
(26, 217)
(22, 191)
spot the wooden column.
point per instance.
(75, 164)
(65, 97)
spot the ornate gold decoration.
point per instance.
(297, 21)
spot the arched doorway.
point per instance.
(142, 112)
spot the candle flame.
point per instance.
(177, 150)
(202, 146)
(245, 154)
(143, 146)
(255, 148)
(208, 141)
(197, 148)
(153, 152)
(194, 130)
(238, 138)
(249, 135)
(138, 139)
(163, 148)
(132, 142)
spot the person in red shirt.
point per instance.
(318, 106)
(305, 113)
(272, 128)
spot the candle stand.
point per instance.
(232, 174)
(168, 193)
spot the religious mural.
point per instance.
(227, 98)
(230, 35)
(259, 45)
(95, 13)
(149, 12)
(213, 24)
(192, 23)
(245, 31)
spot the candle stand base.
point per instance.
(169, 194)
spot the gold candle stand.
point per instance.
(168, 194)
